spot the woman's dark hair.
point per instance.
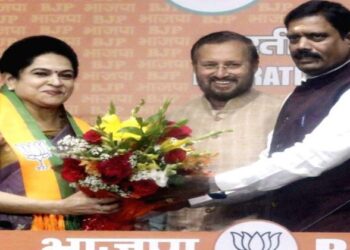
(22, 53)
(335, 13)
(222, 37)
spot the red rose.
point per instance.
(175, 156)
(143, 188)
(116, 169)
(72, 171)
(93, 137)
(177, 132)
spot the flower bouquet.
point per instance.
(130, 159)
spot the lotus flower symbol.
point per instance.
(36, 151)
(256, 241)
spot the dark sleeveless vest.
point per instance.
(314, 203)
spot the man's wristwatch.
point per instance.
(218, 195)
(214, 190)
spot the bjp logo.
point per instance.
(256, 235)
(212, 6)
(256, 241)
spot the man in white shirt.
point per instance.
(305, 179)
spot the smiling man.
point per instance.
(224, 70)
(305, 178)
(309, 154)
(224, 64)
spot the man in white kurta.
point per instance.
(225, 63)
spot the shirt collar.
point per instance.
(233, 104)
(328, 72)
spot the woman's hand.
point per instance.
(80, 204)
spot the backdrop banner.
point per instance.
(250, 235)
(135, 49)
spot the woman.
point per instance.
(39, 74)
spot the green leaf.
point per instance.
(112, 109)
(165, 106)
(98, 121)
(181, 123)
(139, 120)
(132, 130)
(153, 118)
(213, 134)
(160, 115)
(137, 108)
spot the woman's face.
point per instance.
(46, 83)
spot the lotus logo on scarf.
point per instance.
(212, 6)
(35, 151)
(256, 235)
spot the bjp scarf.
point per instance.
(35, 158)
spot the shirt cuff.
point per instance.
(200, 201)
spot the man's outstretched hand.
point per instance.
(175, 198)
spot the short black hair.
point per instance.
(22, 53)
(221, 37)
(335, 13)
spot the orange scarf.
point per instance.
(35, 157)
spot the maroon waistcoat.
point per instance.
(314, 203)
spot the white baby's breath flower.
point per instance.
(70, 146)
(105, 156)
(159, 177)
(96, 150)
(95, 184)
(133, 160)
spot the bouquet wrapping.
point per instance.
(130, 159)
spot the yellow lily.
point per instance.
(131, 122)
(173, 143)
(112, 124)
